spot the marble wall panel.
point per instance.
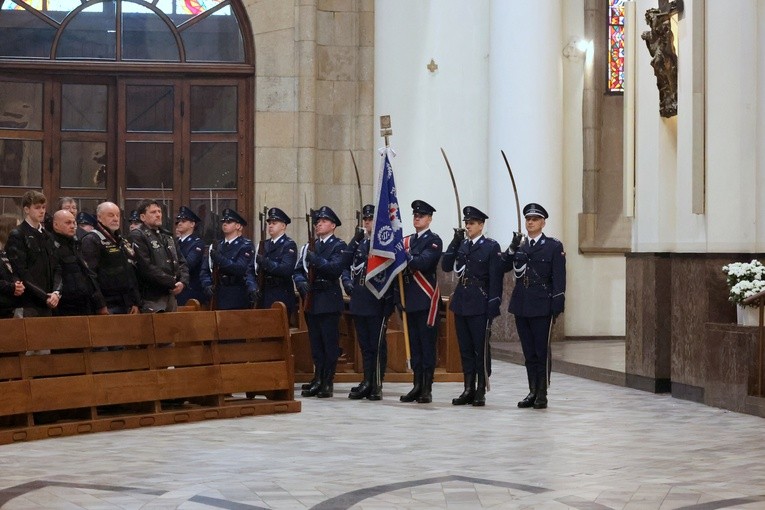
(648, 329)
(730, 358)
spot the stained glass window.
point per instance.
(148, 30)
(616, 46)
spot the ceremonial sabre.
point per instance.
(358, 185)
(515, 191)
(456, 193)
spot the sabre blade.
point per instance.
(515, 190)
(454, 185)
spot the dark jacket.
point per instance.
(424, 255)
(33, 257)
(540, 278)
(193, 250)
(159, 263)
(110, 256)
(328, 261)
(479, 266)
(80, 294)
(232, 261)
(363, 302)
(8, 302)
(278, 265)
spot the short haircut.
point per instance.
(31, 198)
(144, 204)
(65, 200)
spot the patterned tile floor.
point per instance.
(597, 447)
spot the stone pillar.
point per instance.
(526, 114)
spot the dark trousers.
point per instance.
(324, 334)
(471, 336)
(422, 341)
(534, 333)
(368, 334)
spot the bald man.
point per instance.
(110, 256)
(80, 294)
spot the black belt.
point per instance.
(275, 281)
(473, 282)
(322, 284)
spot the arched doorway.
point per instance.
(124, 99)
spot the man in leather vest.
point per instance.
(111, 256)
(161, 269)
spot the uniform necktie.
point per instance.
(533, 242)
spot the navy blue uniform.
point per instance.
(369, 313)
(476, 299)
(232, 260)
(323, 316)
(424, 253)
(279, 264)
(540, 285)
(193, 250)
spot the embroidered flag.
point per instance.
(387, 257)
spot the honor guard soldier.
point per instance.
(86, 222)
(80, 294)
(277, 262)
(476, 300)
(422, 297)
(193, 250)
(160, 267)
(538, 264)
(317, 278)
(111, 257)
(369, 313)
(224, 270)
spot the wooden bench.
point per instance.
(71, 375)
(350, 366)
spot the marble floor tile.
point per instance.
(597, 447)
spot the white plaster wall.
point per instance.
(664, 220)
(732, 125)
(446, 109)
(535, 115)
(760, 133)
(595, 283)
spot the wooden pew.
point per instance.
(350, 367)
(127, 371)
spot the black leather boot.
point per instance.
(375, 386)
(327, 384)
(468, 395)
(416, 389)
(480, 392)
(426, 395)
(528, 400)
(313, 389)
(362, 390)
(540, 402)
(306, 386)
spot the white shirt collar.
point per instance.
(277, 239)
(535, 239)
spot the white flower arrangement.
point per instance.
(745, 279)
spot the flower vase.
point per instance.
(747, 315)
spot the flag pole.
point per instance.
(386, 132)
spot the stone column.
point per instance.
(526, 111)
